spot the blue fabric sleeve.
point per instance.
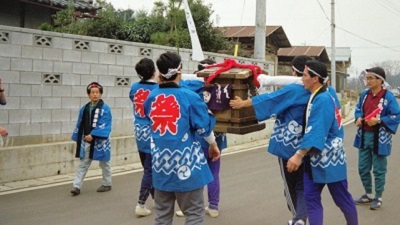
(391, 117)
(358, 112)
(74, 136)
(271, 104)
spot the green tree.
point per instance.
(178, 34)
(108, 25)
(165, 25)
(65, 21)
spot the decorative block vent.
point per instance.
(266, 66)
(118, 49)
(4, 37)
(211, 57)
(43, 41)
(122, 81)
(145, 52)
(81, 45)
(242, 62)
(50, 78)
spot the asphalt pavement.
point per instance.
(252, 194)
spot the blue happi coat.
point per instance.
(138, 95)
(101, 128)
(390, 117)
(197, 86)
(287, 106)
(324, 137)
(176, 116)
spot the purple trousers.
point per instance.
(213, 188)
(340, 195)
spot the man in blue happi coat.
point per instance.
(374, 134)
(322, 149)
(92, 137)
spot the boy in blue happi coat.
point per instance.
(92, 137)
(146, 71)
(180, 171)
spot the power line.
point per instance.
(392, 6)
(321, 33)
(373, 42)
(323, 10)
(370, 47)
(356, 35)
(388, 6)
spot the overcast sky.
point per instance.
(360, 23)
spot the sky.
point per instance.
(371, 28)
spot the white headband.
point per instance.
(375, 74)
(385, 84)
(297, 70)
(325, 79)
(171, 72)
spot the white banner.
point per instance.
(197, 52)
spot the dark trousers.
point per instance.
(146, 188)
(294, 190)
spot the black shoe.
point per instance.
(104, 188)
(75, 191)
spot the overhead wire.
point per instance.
(365, 39)
(389, 7)
(323, 10)
(392, 5)
(356, 35)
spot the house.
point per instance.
(275, 39)
(321, 53)
(279, 50)
(343, 62)
(286, 55)
(33, 13)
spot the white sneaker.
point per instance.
(213, 213)
(142, 211)
(298, 222)
(179, 213)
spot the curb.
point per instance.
(44, 182)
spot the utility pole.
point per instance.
(333, 47)
(260, 34)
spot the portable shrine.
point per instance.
(226, 85)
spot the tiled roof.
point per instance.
(318, 52)
(80, 5)
(245, 31)
(275, 33)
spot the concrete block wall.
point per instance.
(45, 74)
